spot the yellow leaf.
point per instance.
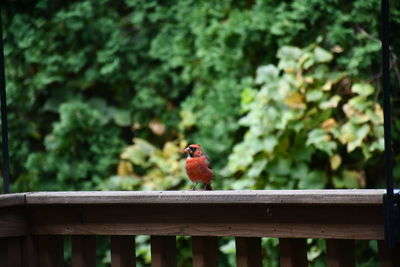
(125, 168)
(328, 124)
(157, 128)
(335, 160)
(379, 111)
(337, 49)
(295, 100)
(327, 86)
(309, 79)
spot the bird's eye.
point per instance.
(193, 148)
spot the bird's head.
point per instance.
(194, 151)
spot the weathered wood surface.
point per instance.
(13, 221)
(123, 252)
(388, 257)
(315, 197)
(340, 253)
(205, 251)
(249, 220)
(248, 252)
(11, 252)
(163, 251)
(293, 252)
(31, 251)
(83, 251)
(50, 251)
(12, 200)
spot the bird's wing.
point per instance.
(208, 162)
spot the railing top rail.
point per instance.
(10, 200)
(308, 197)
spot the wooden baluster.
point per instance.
(123, 251)
(340, 252)
(205, 251)
(31, 251)
(293, 252)
(83, 251)
(3, 252)
(248, 252)
(11, 252)
(50, 249)
(388, 257)
(163, 251)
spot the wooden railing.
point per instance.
(32, 225)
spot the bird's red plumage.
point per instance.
(198, 170)
(198, 166)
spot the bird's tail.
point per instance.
(208, 187)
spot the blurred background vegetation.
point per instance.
(104, 95)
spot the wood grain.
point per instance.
(388, 257)
(50, 251)
(340, 253)
(13, 222)
(163, 251)
(255, 220)
(31, 251)
(83, 251)
(293, 252)
(11, 252)
(123, 251)
(12, 200)
(248, 252)
(314, 197)
(205, 251)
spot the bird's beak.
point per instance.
(187, 150)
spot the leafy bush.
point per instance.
(307, 126)
(83, 144)
(143, 166)
(86, 77)
(181, 64)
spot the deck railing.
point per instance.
(32, 225)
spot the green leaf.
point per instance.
(322, 56)
(314, 95)
(349, 179)
(331, 103)
(281, 166)
(266, 74)
(314, 180)
(270, 143)
(362, 89)
(122, 118)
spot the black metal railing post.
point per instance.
(4, 125)
(390, 199)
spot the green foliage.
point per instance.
(143, 166)
(85, 78)
(302, 130)
(82, 145)
(181, 64)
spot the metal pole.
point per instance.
(386, 100)
(391, 205)
(4, 126)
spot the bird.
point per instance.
(198, 167)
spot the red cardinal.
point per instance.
(198, 167)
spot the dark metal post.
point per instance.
(4, 126)
(390, 200)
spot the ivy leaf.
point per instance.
(322, 56)
(266, 74)
(314, 95)
(362, 89)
